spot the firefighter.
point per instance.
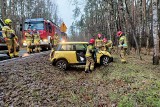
(90, 56)
(107, 44)
(29, 40)
(99, 42)
(10, 39)
(36, 40)
(122, 46)
(56, 40)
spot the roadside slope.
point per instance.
(34, 81)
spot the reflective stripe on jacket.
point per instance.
(36, 36)
(123, 41)
(28, 36)
(56, 39)
(98, 42)
(6, 32)
(90, 50)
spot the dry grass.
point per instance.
(35, 82)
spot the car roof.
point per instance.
(73, 43)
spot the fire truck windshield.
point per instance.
(34, 25)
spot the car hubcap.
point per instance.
(62, 66)
(105, 61)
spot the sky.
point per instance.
(65, 11)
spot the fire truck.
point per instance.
(46, 29)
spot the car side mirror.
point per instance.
(21, 27)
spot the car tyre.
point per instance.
(62, 65)
(105, 60)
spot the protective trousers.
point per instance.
(89, 64)
(12, 47)
(29, 49)
(37, 45)
(123, 55)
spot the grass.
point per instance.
(133, 84)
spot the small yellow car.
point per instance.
(73, 53)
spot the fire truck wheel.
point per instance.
(44, 49)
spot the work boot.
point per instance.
(123, 60)
(87, 71)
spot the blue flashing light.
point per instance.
(34, 20)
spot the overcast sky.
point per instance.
(65, 11)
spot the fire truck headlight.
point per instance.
(63, 41)
(45, 40)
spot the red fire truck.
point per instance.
(46, 29)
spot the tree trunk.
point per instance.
(3, 8)
(155, 33)
(133, 30)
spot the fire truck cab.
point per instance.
(46, 29)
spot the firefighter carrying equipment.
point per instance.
(89, 58)
(123, 47)
(11, 40)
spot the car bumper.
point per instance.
(3, 49)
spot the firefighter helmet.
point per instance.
(8, 21)
(99, 35)
(119, 33)
(91, 41)
(29, 30)
(105, 40)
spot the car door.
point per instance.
(68, 53)
(80, 52)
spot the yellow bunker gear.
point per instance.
(89, 58)
(11, 41)
(123, 48)
(56, 40)
(108, 46)
(99, 43)
(36, 41)
(29, 40)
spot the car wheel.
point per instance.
(62, 64)
(105, 60)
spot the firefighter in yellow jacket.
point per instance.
(107, 45)
(122, 46)
(90, 56)
(99, 42)
(56, 40)
(36, 40)
(29, 40)
(10, 38)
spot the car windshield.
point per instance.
(33, 25)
